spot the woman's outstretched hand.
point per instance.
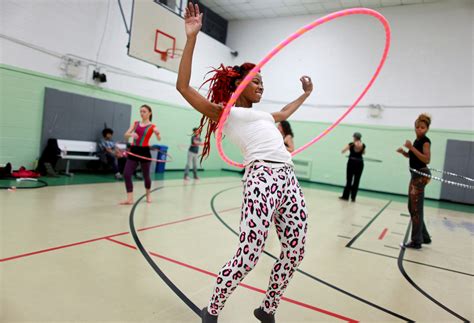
(192, 20)
(307, 84)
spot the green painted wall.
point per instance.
(21, 115)
(21, 109)
(391, 175)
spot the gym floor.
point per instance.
(67, 255)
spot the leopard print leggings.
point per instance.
(271, 194)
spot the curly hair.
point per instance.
(106, 131)
(424, 117)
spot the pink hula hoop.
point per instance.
(287, 41)
(125, 153)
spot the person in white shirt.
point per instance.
(271, 190)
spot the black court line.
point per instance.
(391, 247)
(397, 233)
(305, 273)
(344, 237)
(412, 261)
(404, 273)
(18, 184)
(155, 267)
(367, 225)
(405, 215)
(357, 225)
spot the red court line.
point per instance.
(184, 220)
(109, 236)
(311, 307)
(51, 249)
(382, 235)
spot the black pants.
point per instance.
(416, 197)
(354, 172)
(112, 161)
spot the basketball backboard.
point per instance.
(157, 34)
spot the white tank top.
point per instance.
(257, 136)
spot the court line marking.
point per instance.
(397, 233)
(354, 239)
(110, 236)
(382, 235)
(305, 273)
(182, 296)
(408, 278)
(203, 271)
(393, 257)
(345, 237)
(104, 237)
(412, 261)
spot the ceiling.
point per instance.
(260, 9)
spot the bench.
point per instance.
(77, 150)
(120, 145)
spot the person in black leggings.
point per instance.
(355, 166)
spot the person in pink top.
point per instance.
(141, 132)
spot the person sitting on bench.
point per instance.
(109, 153)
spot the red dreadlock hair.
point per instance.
(221, 87)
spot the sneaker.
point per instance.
(426, 241)
(196, 178)
(186, 178)
(410, 245)
(353, 200)
(118, 176)
(343, 198)
(206, 317)
(263, 316)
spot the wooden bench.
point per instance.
(77, 150)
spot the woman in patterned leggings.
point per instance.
(419, 154)
(271, 192)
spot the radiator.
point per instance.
(303, 168)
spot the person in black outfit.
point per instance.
(49, 158)
(419, 154)
(355, 166)
(287, 133)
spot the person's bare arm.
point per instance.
(291, 107)
(193, 23)
(290, 145)
(196, 141)
(157, 133)
(401, 151)
(130, 132)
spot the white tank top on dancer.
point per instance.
(257, 136)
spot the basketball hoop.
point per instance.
(164, 56)
(173, 53)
